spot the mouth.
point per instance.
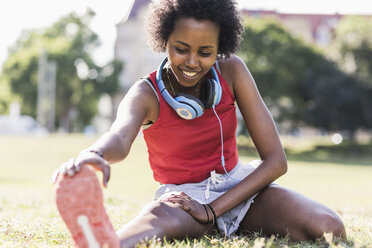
(189, 74)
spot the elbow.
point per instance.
(284, 168)
(123, 147)
(279, 163)
(124, 153)
(282, 164)
(120, 147)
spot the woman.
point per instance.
(191, 143)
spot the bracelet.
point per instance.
(214, 221)
(206, 210)
(96, 152)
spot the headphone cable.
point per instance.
(222, 157)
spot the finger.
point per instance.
(98, 164)
(70, 167)
(70, 173)
(171, 199)
(106, 170)
(187, 208)
(179, 203)
(176, 200)
(55, 175)
(179, 198)
(78, 166)
(182, 196)
(63, 169)
(181, 193)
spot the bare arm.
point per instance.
(139, 106)
(263, 132)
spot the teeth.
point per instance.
(189, 74)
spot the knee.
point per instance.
(163, 218)
(332, 224)
(328, 223)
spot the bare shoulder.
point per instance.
(235, 71)
(232, 65)
(144, 90)
(141, 98)
(232, 62)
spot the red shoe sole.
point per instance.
(79, 201)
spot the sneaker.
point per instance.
(79, 201)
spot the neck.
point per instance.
(176, 87)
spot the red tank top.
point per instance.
(186, 151)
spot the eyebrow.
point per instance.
(185, 44)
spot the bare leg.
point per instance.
(277, 210)
(160, 220)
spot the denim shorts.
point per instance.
(213, 187)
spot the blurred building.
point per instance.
(131, 46)
(139, 60)
(313, 28)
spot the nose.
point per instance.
(192, 61)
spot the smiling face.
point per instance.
(192, 49)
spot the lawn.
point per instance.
(28, 216)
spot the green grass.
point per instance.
(29, 218)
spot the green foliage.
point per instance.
(79, 81)
(278, 62)
(333, 101)
(20, 70)
(5, 95)
(298, 83)
(352, 49)
(353, 41)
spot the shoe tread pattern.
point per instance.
(81, 194)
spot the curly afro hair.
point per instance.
(164, 13)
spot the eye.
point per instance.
(205, 54)
(180, 50)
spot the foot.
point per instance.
(80, 203)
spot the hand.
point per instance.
(74, 165)
(194, 208)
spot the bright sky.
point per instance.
(16, 15)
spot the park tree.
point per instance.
(298, 83)
(352, 50)
(334, 99)
(79, 81)
(279, 62)
(5, 95)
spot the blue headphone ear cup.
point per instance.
(212, 93)
(207, 94)
(218, 92)
(189, 101)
